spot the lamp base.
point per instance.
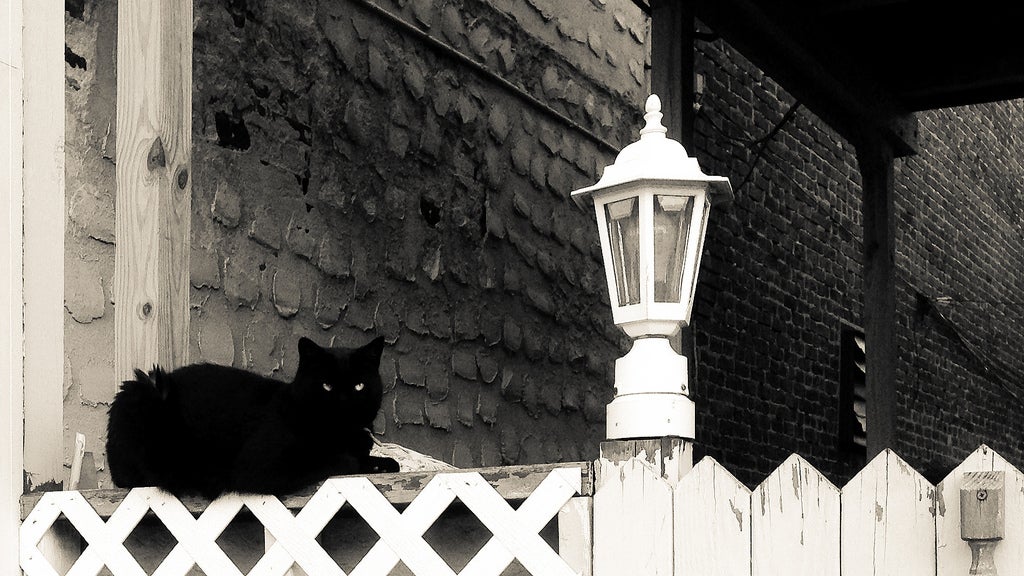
(650, 416)
(651, 366)
(650, 393)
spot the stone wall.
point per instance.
(355, 178)
(405, 171)
(401, 171)
(90, 99)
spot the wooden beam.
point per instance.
(11, 320)
(154, 184)
(44, 249)
(512, 483)
(672, 66)
(853, 108)
(875, 158)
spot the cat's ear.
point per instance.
(309, 349)
(371, 352)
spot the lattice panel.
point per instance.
(515, 531)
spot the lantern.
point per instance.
(652, 207)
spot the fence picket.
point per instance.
(795, 523)
(712, 519)
(888, 520)
(953, 554)
(632, 519)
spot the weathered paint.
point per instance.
(797, 529)
(712, 527)
(888, 521)
(291, 538)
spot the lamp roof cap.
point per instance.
(656, 157)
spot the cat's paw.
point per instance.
(378, 465)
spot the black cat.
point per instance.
(212, 429)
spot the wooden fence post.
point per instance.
(154, 184)
(633, 505)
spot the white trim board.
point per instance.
(11, 326)
(43, 183)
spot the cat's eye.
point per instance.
(328, 387)
(359, 387)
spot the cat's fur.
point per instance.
(212, 429)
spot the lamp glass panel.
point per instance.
(672, 216)
(623, 218)
(700, 248)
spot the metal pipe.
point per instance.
(494, 76)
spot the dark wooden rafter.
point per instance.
(673, 78)
(853, 109)
(875, 157)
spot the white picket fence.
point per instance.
(888, 520)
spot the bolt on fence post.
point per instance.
(982, 518)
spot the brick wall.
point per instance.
(780, 277)
(785, 278)
(353, 178)
(961, 285)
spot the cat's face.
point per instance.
(342, 381)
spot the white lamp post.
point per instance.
(652, 206)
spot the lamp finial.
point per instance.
(653, 117)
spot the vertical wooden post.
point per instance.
(672, 66)
(44, 249)
(634, 530)
(43, 264)
(875, 157)
(11, 300)
(672, 79)
(154, 183)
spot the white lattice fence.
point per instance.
(292, 539)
